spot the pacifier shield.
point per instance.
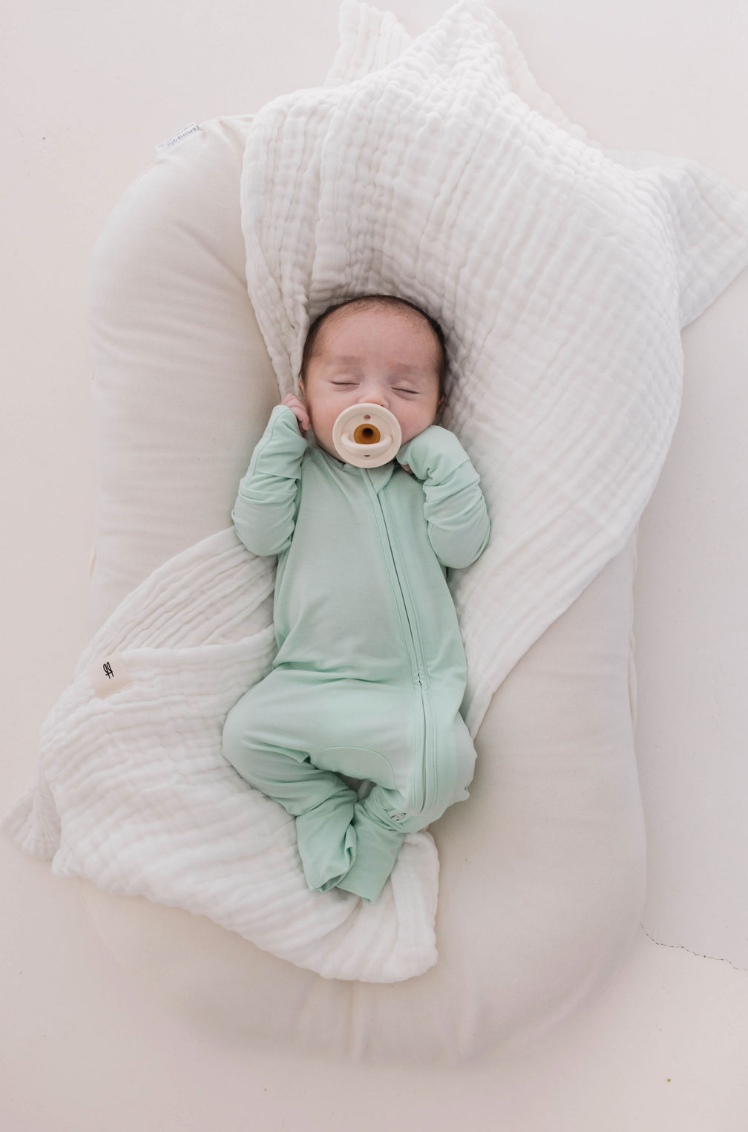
(367, 435)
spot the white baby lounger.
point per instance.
(541, 872)
(554, 819)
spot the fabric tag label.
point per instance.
(109, 675)
(178, 137)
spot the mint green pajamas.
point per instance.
(370, 670)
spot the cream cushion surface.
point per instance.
(183, 387)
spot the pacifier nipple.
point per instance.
(367, 435)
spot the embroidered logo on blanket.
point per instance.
(109, 675)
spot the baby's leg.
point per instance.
(379, 840)
(320, 801)
(384, 817)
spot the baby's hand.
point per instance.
(298, 408)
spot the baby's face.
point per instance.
(374, 355)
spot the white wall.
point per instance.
(88, 93)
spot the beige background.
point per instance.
(88, 94)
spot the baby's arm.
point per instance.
(455, 509)
(263, 513)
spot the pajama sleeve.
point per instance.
(264, 513)
(455, 510)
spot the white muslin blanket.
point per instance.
(562, 274)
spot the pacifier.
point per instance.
(367, 435)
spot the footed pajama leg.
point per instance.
(320, 801)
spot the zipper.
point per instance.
(426, 799)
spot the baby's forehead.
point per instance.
(352, 341)
(335, 358)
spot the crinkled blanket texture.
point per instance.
(562, 273)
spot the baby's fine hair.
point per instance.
(376, 300)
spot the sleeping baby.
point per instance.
(356, 730)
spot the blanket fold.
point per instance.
(562, 273)
(132, 791)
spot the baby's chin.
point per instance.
(330, 449)
(325, 444)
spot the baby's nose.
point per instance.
(374, 397)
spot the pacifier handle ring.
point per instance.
(365, 449)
